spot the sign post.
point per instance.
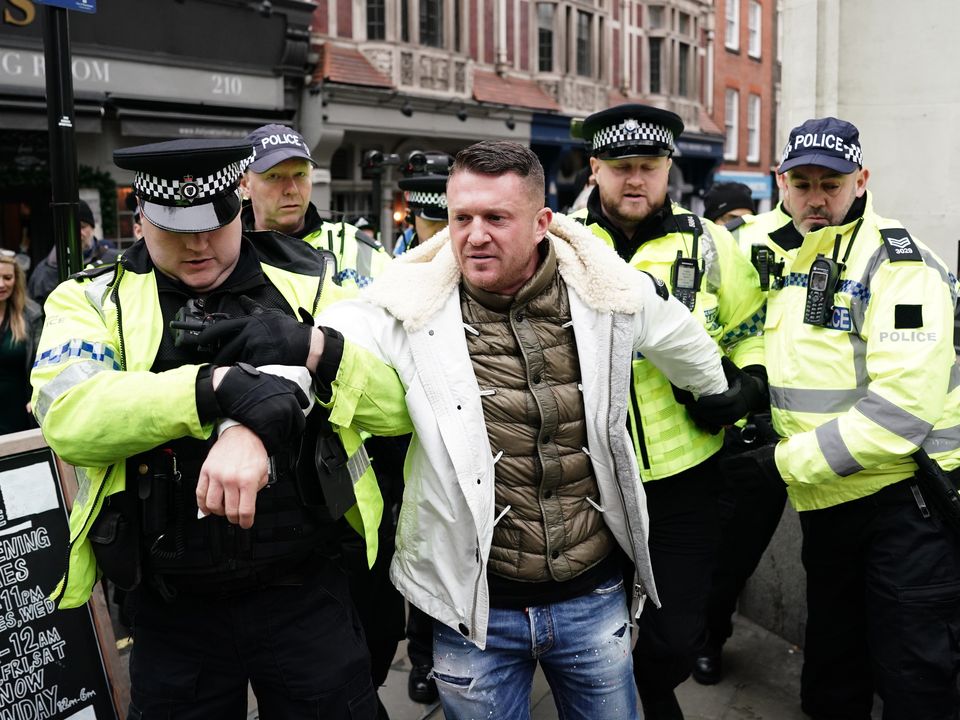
(60, 122)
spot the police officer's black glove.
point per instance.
(758, 463)
(269, 405)
(747, 392)
(264, 337)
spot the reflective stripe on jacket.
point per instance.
(855, 399)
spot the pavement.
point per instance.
(762, 682)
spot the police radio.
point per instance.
(821, 285)
(685, 279)
(765, 262)
(686, 273)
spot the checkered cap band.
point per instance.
(190, 190)
(629, 131)
(419, 198)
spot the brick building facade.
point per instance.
(744, 93)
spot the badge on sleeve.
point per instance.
(900, 246)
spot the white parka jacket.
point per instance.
(405, 367)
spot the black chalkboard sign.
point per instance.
(53, 663)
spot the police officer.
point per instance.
(424, 185)
(863, 374)
(700, 264)
(231, 567)
(751, 504)
(278, 186)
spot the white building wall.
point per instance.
(892, 69)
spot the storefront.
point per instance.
(143, 71)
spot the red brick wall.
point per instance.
(474, 32)
(525, 11)
(737, 70)
(489, 31)
(345, 18)
(511, 32)
(321, 19)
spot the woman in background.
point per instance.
(20, 322)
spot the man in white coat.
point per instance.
(504, 344)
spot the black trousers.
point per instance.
(419, 637)
(750, 509)
(684, 530)
(883, 602)
(299, 645)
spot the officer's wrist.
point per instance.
(208, 409)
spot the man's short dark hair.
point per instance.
(496, 157)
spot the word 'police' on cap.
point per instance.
(631, 130)
(426, 196)
(272, 144)
(187, 186)
(827, 142)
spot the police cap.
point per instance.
(631, 130)
(187, 186)
(426, 196)
(272, 144)
(827, 142)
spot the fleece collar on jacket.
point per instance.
(416, 285)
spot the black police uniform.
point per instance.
(218, 605)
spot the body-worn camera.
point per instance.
(190, 321)
(765, 262)
(821, 286)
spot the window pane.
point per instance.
(683, 70)
(654, 17)
(732, 33)
(753, 26)
(656, 45)
(405, 20)
(545, 15)
(753, 129)
(684, 24)
(376, 19)
(457, 28)
(431, 23)
(731, 112)
(584, 66)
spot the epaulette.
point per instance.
(367, 239)
(900, 246)
(659, 285)
(688, 222)
(92, 272)
(735, 223)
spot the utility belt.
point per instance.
(151, 529)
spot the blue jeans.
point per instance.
(583, 645)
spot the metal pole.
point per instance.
(376, 193)
(63, 149)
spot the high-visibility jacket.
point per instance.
(729, 305)
(360, 258)
(773, 229)
(856, 398)
(98, 403)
